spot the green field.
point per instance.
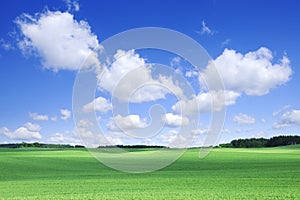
(267, 173)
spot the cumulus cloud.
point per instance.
(175, 120)
(289, 118)
(83, 129)
(156, 89)
(57, 138)
(112, 140)
(206, 102)
(243, 119)
(122, 81)
(253, 73)
(125, 61)
(26, 132)
(173, 138)
(38, 117)
(57, 38)
(168, 137)
(126, 123)
(65, 114)
(170, 86)
(100, 104)
(61, 138)
(150, 92)
(32, 127)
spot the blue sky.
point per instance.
(255, 46)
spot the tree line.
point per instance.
(38, 145)
(282, 140)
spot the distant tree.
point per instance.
(248, 143)
(24, 144)
(36, 144)
(262, 142)
(79, 146)
(283, 140)
(226, 145)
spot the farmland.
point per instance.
(226, 173)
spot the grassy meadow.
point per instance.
(226, 173)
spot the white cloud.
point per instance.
(175, 62)
(225, 42)
(57, 138)
(85, 123)
(54, 118)
(206, 101)
(289, 118)
(72, 5)
(125, 61)
(65, 114)
(156, 89)
(26, 132)
(199, 131)
(243, 119)
(168, 137)
(171, 87)
(150, 92)
(175, 120)
(205, 29)
(191, 74)
(38, 117)
(57, 38)
(32, 127)
(126, 123)
(61, 139)
(230, 97)
(100, 104)
(114, 140)
(172, 138)
(6, 45)
(121, 79)
(83, 129)
(187, 107)
(276, 113)
(252, 73)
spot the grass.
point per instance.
(262, 173)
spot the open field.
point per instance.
(266, 173)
